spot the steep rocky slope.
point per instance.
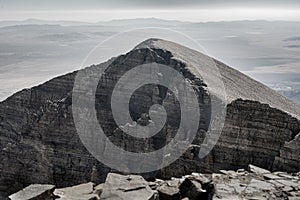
(39, 142)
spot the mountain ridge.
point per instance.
(158, 43)
(40, 142)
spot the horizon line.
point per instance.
(194, 15)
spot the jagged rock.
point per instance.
(78, 192)
(35, 192)
(39, 142)
(167, 192)
(133, 187)
(192, 188)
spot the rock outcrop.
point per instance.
(258, 183)
(39, 142)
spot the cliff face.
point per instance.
(39, 142)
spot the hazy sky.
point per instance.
(119, 4)
(198, 10)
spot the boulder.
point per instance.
(167, 192)
(192, 188)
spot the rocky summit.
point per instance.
(40, 145)
(257, 183)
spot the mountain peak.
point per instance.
(152, 43)
(236, 84)
(40, 141)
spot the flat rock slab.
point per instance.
(288, 183)
(35, 192)
(258, 170)
(230, 173)
(287, 176)
(133, 187)
(258, 185)
(78, 192)
(271, 177)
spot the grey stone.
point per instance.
(258, 170)
(271, 177)
(153, 185)
(194, 186)
(167, 192)
(123, 187)
(285, 175)
(287, 189)
(77, 192)
(258, 185)
(255, 186)
(230, 173)
(217, 177)
(288, 183)
(293, 198)
(35, 192)
(98, 189)
(194, 190)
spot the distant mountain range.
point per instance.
(121, 22)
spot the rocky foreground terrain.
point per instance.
(257, 184)
(39, 142)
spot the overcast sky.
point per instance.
(119, 4)
(202, 10)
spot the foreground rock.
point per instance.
(39, 142)
(119, 187)
(258, 184)
(133, 187)
(197, 186)
(78, 192)
(35, 192)
(168, 191)
(226, 185)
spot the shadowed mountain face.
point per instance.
(39, 142)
